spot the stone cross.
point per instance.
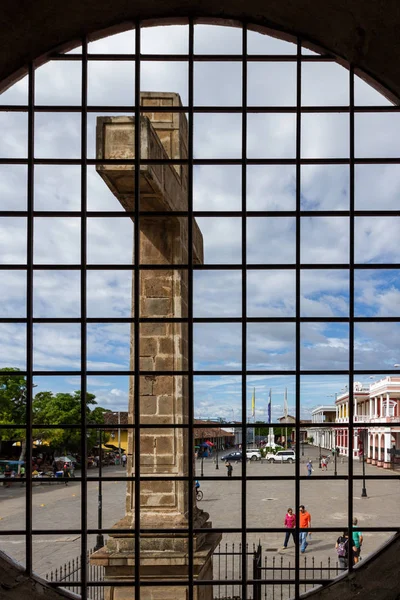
(162, 346)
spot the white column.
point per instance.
(388, 446)
(387, 404)
(355, 407)
(376, 405)
(370, 407)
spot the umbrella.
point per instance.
(62, 459)
(204, 445)
(209, 443)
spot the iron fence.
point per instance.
(71, 572)
(228, 565)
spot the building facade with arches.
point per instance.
(376, 407)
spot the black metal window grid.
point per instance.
(83, 267)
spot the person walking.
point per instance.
(229, 469)
(324, 464)
(342, 549)
(290, 524)
(309, 468)
(358, 540)
(123, 458)
(66, 472)
(304, 523)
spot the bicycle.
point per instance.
(199, 494)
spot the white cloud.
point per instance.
(325, 135)
(13, 188)
(377, 187)
(57, 240)
(222, 239)
(324, 240)
(271, 240)
(13, 240)
(271, 135)
(376, 240)
(271, 187)
(375, 135)
(57, 135)
(325, 187)
(57, 187)
(58, 83)
(111, 83)
(332, 88)
(217, 135)
(171, 39)
(217, 39)
(14, 135)
(271, 84)
(56, 294)
(217, 187)
(217, 84)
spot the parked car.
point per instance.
(236, 455)
(253, 454)
(288, 456)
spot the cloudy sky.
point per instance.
(270, 239)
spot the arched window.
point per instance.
(198, 244)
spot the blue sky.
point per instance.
(271, 293)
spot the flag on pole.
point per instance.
(270, 407)
(253, 403)
(285, 405)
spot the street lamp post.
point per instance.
(320, 457)
(216, 464)
(202, 454)
(364, 489)
(100, 537)
(336, 456)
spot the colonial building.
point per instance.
(375, 407)
(325, 438)
(361, 413)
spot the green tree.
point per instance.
(47, 409)
(12, 406)
(65, 409)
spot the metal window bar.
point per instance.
(136, 300)
(83, 267)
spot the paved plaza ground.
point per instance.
(57, 506)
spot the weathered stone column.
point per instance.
(162, 346)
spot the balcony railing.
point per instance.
(368, 419)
